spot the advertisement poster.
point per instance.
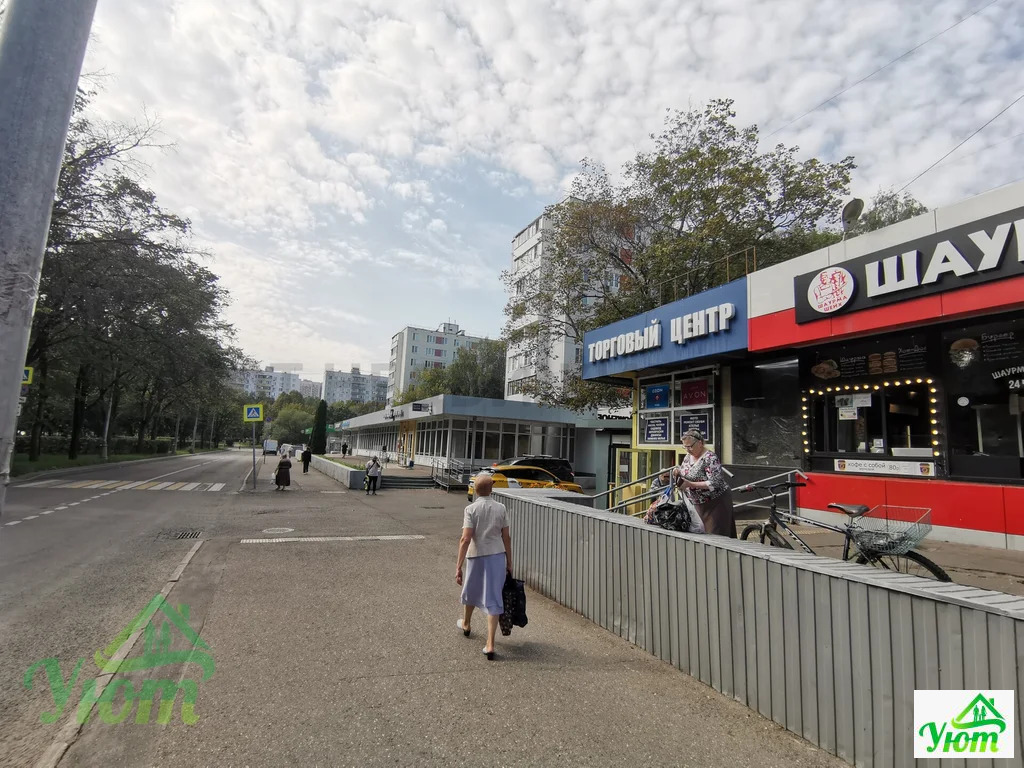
(657, 395)
(700, 420)
(883, 467)
(899, 356)
(988, 358)
(693, 392)
(656, 429)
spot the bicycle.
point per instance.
(885, 543)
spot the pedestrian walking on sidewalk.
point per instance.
(283, 473)
(485, 550)
(373, 475)
(344, 449)
(307, 456)
(702, 480)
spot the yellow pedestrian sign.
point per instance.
(26, 375)
(253, 413)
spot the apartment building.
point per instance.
(354, 385)
(525, 362)
(310, 388)
(414, 350)
(267, 383)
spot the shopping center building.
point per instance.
(888, 367)
(477, 432)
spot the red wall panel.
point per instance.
(1003, 294)
(780, 329)
(1013, 502)
(956, 505)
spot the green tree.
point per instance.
(318, 440)
(694, 213)
(290, 423)
(479, 372)
(888, 207)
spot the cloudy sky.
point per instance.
(356, 166)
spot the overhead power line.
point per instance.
(954, 149)
(835, 96)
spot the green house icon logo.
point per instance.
(980, 713)
(975, 730)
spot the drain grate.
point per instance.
(180, 533)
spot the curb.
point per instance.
(78, 470)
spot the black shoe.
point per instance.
(489, 655)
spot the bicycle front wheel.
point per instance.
(765, 535)
(913, 563)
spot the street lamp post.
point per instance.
(42, 45)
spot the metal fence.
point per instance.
(832, 651)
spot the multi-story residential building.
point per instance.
(354, 385)
(310, 388)
(267, 383)
(416, 349)
(526, 361)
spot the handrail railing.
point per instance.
(757, 484)
(631, 482)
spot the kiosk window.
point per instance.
(892, 421)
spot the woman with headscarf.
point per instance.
(283, 473)
(701, 477)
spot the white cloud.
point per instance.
(321, 145)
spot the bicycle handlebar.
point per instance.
(750, 487)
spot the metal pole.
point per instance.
(42, 45)
(254, 455)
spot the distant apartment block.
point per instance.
(414, 350)
(354, 385)
(268, 383)
(310, 388)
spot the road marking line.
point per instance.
(189, 486)
(74, 503)
(159, 486)
(64, 507)
(79, 484)
(30, 517)
(173, 486)
(120, 484)
(40, 483)
(136, 484)
(141, 486)
(13, 522)
(95, 484)
(333, 538)
(186, 469)
(47, 512)
(215, 487)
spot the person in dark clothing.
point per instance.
(283, 473)
(307, 456)
(373, 476)
(344, 449)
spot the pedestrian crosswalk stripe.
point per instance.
(107, 487)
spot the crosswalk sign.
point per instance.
(26, 374)
(253, 413)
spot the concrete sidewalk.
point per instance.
(346, 653)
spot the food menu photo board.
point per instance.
(986, 358)
(892, 357)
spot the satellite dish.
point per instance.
(851, 212)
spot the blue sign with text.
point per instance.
(710, 323)
(656, 430)
(657, 395)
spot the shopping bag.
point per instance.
(513, 594)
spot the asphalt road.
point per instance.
(328, 651)
(77, 564)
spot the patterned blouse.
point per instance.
(707, 467)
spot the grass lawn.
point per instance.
(22, 466)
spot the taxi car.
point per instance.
(519, 476)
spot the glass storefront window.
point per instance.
(656, 393)
(984, 385)
(673, 404)
(766, 413)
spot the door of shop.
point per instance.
(406, 442)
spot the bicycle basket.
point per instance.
(891, 530)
